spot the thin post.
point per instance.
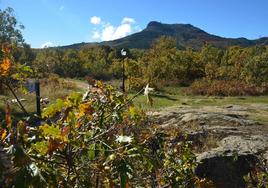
(37, 92)
(124, 54)
(123, 79)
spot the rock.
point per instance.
(226, 171)
(188, 117)
(237, 141)
(237, 108)
(235, 157)
(242, 145)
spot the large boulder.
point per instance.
(235, 157)
(228, 143)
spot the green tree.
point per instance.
(10, 29)
(24, 54)
(159, 61)
(188, 67)
(256, 68)
(72, 66)
(97, 60)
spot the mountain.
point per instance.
(186, 35)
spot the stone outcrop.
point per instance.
(228, 142)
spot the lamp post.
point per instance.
(123, 55)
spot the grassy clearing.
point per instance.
(52, 91)
(176, 96)
(169, 96)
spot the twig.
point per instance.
(48, 161)
(112, 127)
(14, 94)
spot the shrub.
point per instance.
(54, 82)
(135, 84)
(96, 140)
(258, 176)
(227, 88)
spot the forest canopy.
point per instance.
(163, 64)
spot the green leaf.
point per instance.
(40, 147)
(75, 98)
(91, 151)
(53, 109)
(132, 111)
(51, 130)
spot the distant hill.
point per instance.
(187, 35)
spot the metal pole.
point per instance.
(123, 84)
(124, 54)
(37, 91)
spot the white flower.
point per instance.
(32, 138)
(85, 95)
(34, 169)
(122, 139)
(147, 90)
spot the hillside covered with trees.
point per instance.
(186, 36)
(235, 70)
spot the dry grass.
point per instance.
(51, 88)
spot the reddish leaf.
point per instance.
(8, 116)
(65, 131)
(53, 145)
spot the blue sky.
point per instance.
(63, 22)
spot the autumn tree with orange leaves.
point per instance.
(10, 37)
(5, 61)
(12, 73)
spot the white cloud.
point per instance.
(61, 8)
(95, 20)
(47, 45)
(128, 20)
(96, 35)
(107, 31)
(111, 33)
